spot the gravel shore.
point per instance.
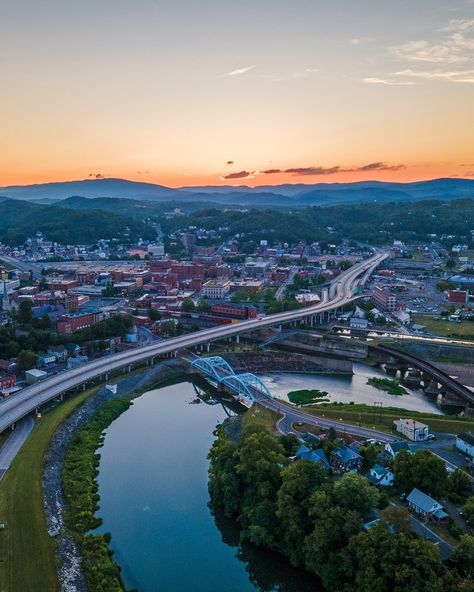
(70, 574)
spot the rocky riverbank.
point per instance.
(267, 362)
(70, 574)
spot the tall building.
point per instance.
(384, 299)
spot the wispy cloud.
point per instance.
(465, 76)
(388, 81)
(271, 171)
(239, 175)
(240, 71)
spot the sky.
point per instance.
(210, 92)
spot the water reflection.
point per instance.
(267, 570)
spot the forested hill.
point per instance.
(21, 219)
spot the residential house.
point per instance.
(394, 447)
(344, 459)
(425, 505)
(465, 443)
(379, 475)
(318, 455)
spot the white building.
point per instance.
(412, 429)
(33, 376)
(157, 251)
(465, 443)
(216, 289)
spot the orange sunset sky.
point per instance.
(255, 91)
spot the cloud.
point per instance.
(379, 166)
(240, 71)
(456, 46)
(271, 171)
(388, 82)
(96, 176)
(230, 162)
(143, 172)
(466, 76)
(313, 170)
(318, 170)
(239, 175)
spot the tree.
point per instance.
(355, 492)
(423, 470)
(25, 313)
(463, 556)
(398, 518)
(26, 360)
(290, 444)
(468, 510)
(407, 563)
(459, 484)
(299, 481)
(369, 454)
(188, 305)
(153, 314)
(203, 305)
(450, 263)
(225, 486)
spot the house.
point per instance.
(394, 447)
(378, 475)
(59, 352)
(465, 443)
(356, 323)
(425, 505)
(46, 359)
(412, 429)
(318, 456)
(344, 459)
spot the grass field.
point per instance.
(445, 328)
(27, 562)
(262, 416)
(382, 419)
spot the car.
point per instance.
(299, 423)
(431, 437)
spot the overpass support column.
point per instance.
(208, 346)
(237, 338)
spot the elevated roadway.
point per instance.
(32, 397)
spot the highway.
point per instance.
(32, 397)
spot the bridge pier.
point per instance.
(432, 388)
(237, 338)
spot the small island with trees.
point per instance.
(392, 387)
(305, 397)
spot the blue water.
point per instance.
(154, 502)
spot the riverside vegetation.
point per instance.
(295, 508)
(80, 488)
(307, 397)
(392, 387)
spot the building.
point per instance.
(356, 323)
(394, 447)
(216, 289)
(458, 296)
(465, 443)
(234, 311)
(412, 429)
(157, 250)
(345, 459)
(318, 455)
(76, 321)
(384, 299)
(379, 475)
(425, 505)
(33, 376)
(7, 381)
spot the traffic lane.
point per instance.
(26, 401)
(14, 443)
(292, 416)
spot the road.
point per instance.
(22, 265)
(14, 442)
(280, 293)
(31, 397)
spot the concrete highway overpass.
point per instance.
(342, 291)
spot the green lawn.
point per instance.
(382, 419)
(446, 328)
(27, 562)
(259, 415)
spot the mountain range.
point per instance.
(286, 195)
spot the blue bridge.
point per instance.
(217, 370)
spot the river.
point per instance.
(346, 388)
(154, 502)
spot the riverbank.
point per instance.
(70, 574)
(260, 362)
(27, 552)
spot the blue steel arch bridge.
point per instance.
(219, 372)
